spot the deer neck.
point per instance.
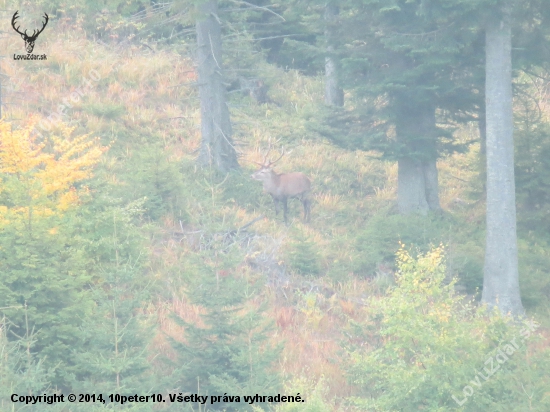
(272, 184)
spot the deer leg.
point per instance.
(285, 209)
(277, 206)
(307, 208)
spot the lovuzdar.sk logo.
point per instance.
(29, 40)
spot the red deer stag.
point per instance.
(284, 185)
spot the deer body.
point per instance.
(283, 186)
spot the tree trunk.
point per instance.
(417, 180)
(482, 125)
(334, 95)
(500, 281)
(431, 180)
(411, 187)
(217, 145)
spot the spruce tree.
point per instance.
(228, 352)
(43, 290)
(410, 66)
(115, 337)
(21, 370)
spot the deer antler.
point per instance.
(253, 161)
(279, 158)
(43, 26)
(34, 33)
(15, 16)
(265, 161)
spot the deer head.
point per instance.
(29, 40)
(266, 170)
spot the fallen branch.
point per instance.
(249, 223)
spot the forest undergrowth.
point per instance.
(314, 279)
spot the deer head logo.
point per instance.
(29, 40)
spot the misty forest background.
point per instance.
(137, 256)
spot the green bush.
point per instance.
(311, 393)
(534, 261)
(108, 111)
(303, 256)
(152, 175)
(423, 348)
(241, 189)
(532, 172)
(467, 263)
(228, 351)
(380, 239)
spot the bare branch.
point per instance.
(254, 6)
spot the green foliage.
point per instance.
(113, 353)
(21, 371)
(466, 261)
(241, 190)
(152, 176)
(84, 276)
(303, 255)
(74, 282)
(430, 55)
(347, 129)
(101, 19)
(532, 171)
(379, 241)
(287, 36)
(534, 261)
(425, 345)
(312, 393)
(229, 352)
(108, 111)
(43, 288)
